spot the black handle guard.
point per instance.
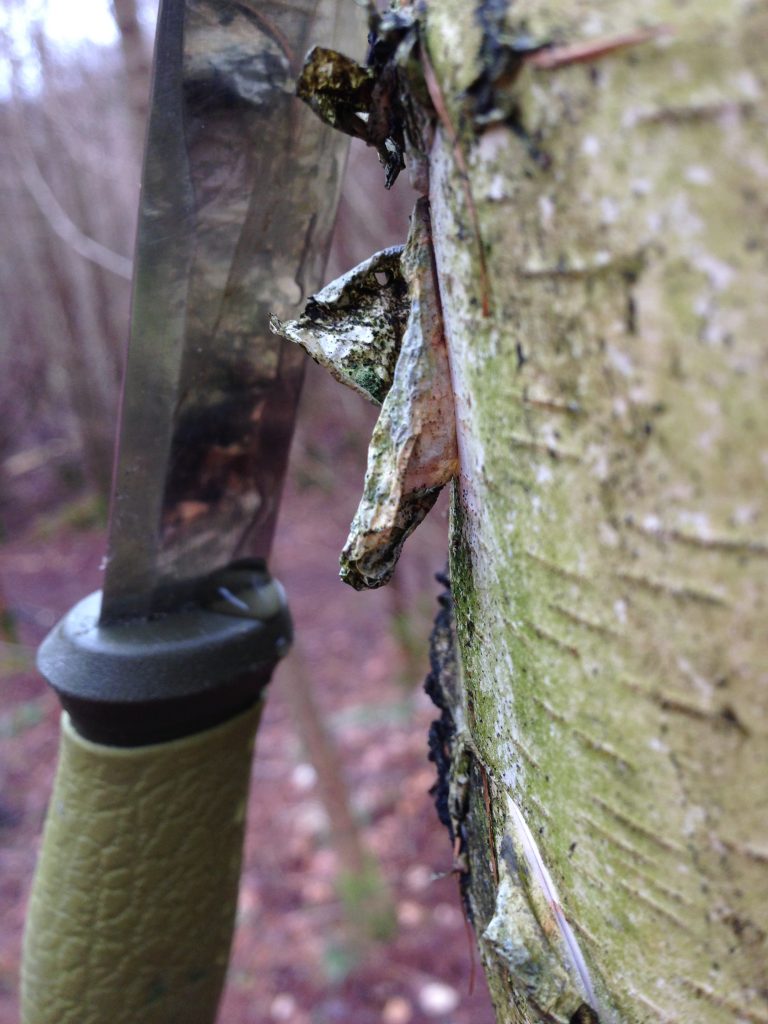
(135, 682)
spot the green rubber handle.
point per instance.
(133, 904)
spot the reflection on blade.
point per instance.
(239, 195)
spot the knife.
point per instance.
(161, 675)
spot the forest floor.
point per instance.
(302, 954)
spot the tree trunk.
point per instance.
(137, 59)
(600, 233)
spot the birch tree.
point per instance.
(597, 180)
(609, 535)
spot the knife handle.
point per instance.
(133, 904)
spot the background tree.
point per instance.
(69, 170)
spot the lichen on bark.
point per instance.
(595, 184)
(412, 454)
(384, 337)
(353, 327)
(609, 534)
(385, 340)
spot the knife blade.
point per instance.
(238, 201)
(239, 194)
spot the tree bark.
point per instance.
(600, 234)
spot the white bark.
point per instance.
(610, 536)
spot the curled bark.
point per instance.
(387, 342)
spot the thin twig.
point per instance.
(470, 942)
(62, 225)
(594, 49)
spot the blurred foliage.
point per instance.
(21, 717)
(411, 622)
(7, 624)
(87, 512)
(339, 960)
(368, 902)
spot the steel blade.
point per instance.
(239, 195)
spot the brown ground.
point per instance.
(296, 959)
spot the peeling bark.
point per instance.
(600, 237)
(384, 339)
(413, 453)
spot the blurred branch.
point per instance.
(63, 226)
(137, 62)
(31, 459)
(322, 754)
(410, 631)
(360, 883)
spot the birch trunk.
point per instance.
(609, 538)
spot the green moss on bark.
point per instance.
(609, 556)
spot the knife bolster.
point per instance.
(136, 682)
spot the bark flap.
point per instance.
(383, 102)
(385, 340)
